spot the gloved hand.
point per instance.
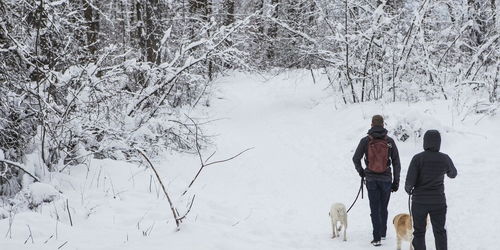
(361, 174)
(395, 186)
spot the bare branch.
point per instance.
(189, 209)
(18, 166)
(230, 158)
(203, 163)
(177, 222)
(69, 212)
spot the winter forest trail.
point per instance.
(302, 163)
(276, 196)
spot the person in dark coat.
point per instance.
(379, 185)
(425, 182)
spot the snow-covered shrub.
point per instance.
(38, 193)
(485, 107)
(73, 87)
(17, 124)
(34, 195)
(412, 125)
(404, 130)
(473, 99)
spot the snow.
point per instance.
(277, 195)
(41, 192)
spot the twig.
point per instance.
(62, 245)
(45, 242)
(210, 157)
(177, 223)
(30, 236)
(200, 96)
(230, 158)
(18, 166)
(189, 208)
(246, 218)
(148, 230)
(150, 182)
(204, 162)
(312, 75)
(331, 84)
(69, 213)
(11, 220)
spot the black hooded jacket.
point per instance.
(362, 149)
(425, 178)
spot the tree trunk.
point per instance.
(494, 96)
(347, 71)
(229, 10)
(478, 33)
(92, 20)
(125, 15)
(203, 9)
(494, 13)
(140, 32)
(272, 31)
(260, 7)
(153, 31)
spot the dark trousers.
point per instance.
(379, 193)
(437, 213)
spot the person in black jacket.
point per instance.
(379, 185)
(425, 182)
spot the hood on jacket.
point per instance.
(432, 140)
(377, 132)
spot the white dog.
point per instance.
(338, 215)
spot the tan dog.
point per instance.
(338, 215)
(404, 229)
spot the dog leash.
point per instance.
(360, 191)
(409, 205)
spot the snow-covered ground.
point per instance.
(277, 195)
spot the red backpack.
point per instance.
(378, 154)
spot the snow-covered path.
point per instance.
(277, 195)
(302, 163)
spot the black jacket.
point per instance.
(425, 178)
(362, 149)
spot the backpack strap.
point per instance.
(370, 138)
